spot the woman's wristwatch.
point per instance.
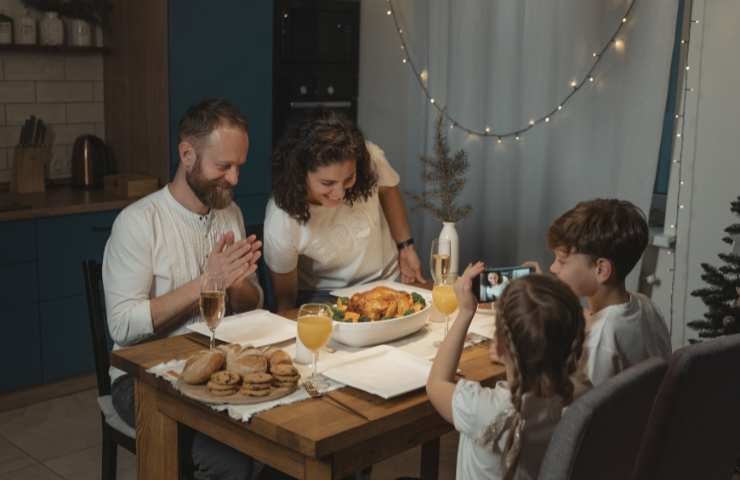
(405, 243)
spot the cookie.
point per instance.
(284, 384)
(278, 357)
(287, 378)
(283, 369)
(257, 377)
(257, 386)
(255, 393)
(221, 390)
(225, 377)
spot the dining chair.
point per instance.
(115, 430)
(599, 433)
(694, 427)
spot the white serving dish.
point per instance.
(380, 331)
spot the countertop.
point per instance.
(58, 200)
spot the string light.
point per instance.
(422, 76)
(680, 126)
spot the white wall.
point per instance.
(711, 161)
(64, 90)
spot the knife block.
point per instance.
(29, 169)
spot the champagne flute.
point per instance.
(444, 299)
(314, 329)
(439, 259)
(212, 302)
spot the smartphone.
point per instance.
(490, 284)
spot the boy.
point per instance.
(596, 245)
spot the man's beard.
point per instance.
(214, 194)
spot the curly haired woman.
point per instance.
(336, 217)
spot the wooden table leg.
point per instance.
(430, 460)
(156, 438)
(317, 469)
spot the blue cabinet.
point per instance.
(65, 339)
(233, 47)
(21, 352)
(63, 243)
(43, 309)
(19, 319)
(17, 242)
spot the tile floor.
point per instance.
(60, 440)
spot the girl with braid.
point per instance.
(505, 430)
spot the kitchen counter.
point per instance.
(58, 200)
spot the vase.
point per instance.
(448, 239)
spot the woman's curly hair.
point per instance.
(325, 138)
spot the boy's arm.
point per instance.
(441, 381)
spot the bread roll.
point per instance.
(201, 365)
(246, 363)
(279, 357)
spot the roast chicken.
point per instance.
(381, 302)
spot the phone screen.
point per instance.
(491, 283)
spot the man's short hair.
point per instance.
(603, 228)
(205, 116)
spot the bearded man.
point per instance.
(162, 245)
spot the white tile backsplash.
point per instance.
(21, 66)
(66, 91)
(9, 136)
(16, 114)
(84, 67)
(17, 91)
(85, 112)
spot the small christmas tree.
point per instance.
(722, 296)
(444, 178)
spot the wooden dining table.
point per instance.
(316, 438)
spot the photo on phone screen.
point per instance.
(491, 283)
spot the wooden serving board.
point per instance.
(201, 393)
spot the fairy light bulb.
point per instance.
(591, 79)
(560, 107)
(531, 122)
(424, 75)
(619, 44)
(498, 140)
(488, 129)
(431, 100)
(573, 83)
(388, 12)
(403, 61)
(547, 119)
(517, 138)
(624, 19)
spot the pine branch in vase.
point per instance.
(444, 180)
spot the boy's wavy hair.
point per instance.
(603, 228)
(325, 138)
(540, 323)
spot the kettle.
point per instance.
(89, 159)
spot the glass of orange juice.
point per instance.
(444, 298)
(314, 329)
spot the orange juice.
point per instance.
(314, 331)
(444, 299)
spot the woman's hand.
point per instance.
(466, 300)
(410, 266)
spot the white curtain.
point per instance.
(499, 63)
